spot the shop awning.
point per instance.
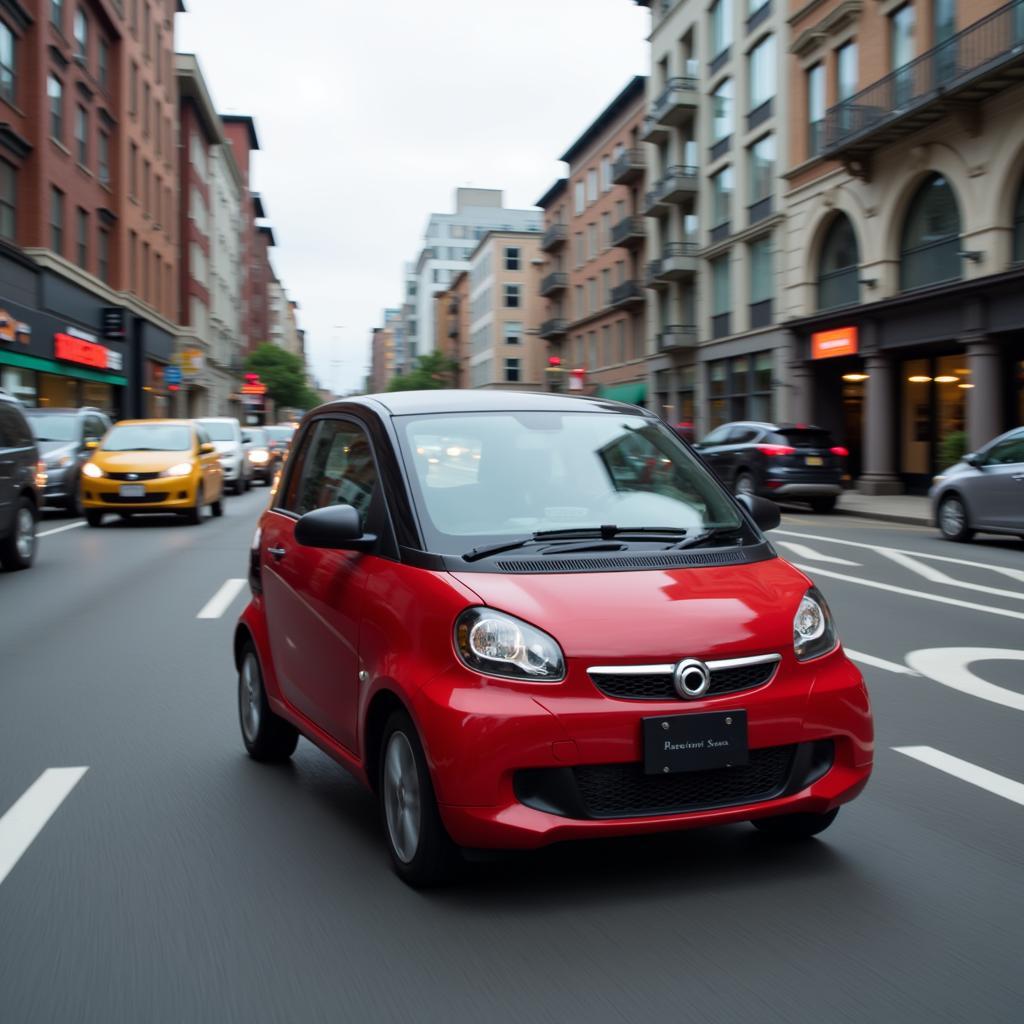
(27, 362)
(635, 392)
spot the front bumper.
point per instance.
(794, 490)
(162, 494)
(488, 745)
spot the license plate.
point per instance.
(689, 743)
(132, 491)
(814, 460)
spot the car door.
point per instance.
(209, 464)
(313, 595)
(996, 493)
(737, 454)
(9, 460)
(713, 452)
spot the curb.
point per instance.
(886, 517)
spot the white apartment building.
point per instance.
(449, 242)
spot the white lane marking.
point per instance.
(980, 777)
(61, 529)
(221, 601)
(934, 575)
(33, 809)
(1014, 574)
(870, 659)
(948, 665)
(892, 588)
(802, 551)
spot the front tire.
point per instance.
(194, 516)
(827, 504)
(952, 519)
(93, 517)
(421, 850)
(73, 505)
(796, 826)
(267, 737)
(18, 550)
(217, 508)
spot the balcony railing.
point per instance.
(555, 328)
(680, 183)
(652, 130)
(629, 167)
(677, 336)
(653, 277)
(554, 237)
(679, 260)
(922, 90)
(553, 283)
(677, 100)
(629, 232)
(628, 293)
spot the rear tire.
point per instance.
(796, 826)
(93, 517)
(217, 508)
(18, 550)
(952, 519)
(823, 505)
(422, 852)
(267, 737)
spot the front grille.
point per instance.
(658, 685)
(146, 499)
(133, 477)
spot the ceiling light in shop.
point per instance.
(965, 387)
(963, 373)
(919, 378)
(855, 378)
(946, 379)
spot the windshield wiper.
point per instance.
(706, 535)
(606, 532)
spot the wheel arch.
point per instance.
(383, 704)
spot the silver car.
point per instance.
(983, 491)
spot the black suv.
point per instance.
(19, 497)
(781, 461)
(66, 438)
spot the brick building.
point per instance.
(451, 332)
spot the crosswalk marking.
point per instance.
(980, 777)
(802, 551)
(222, 600)
(934, 575)
(33, 809)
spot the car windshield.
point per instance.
(220, 430)
(499, 474)
(257, 437)
(149, 437)
(54, 426)
(280, 433)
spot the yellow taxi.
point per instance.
(153, 466)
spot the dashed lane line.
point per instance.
(980, 777)
(61, 529)
(222, 600)
(30, 813)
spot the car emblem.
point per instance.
(133, 476)
(691, 678)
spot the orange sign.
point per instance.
(254, 389)
(840, 342)
(87, 353)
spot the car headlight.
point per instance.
(181, 469)
(259, 455)
(59, 461)
(814, 631)
(496, 644)
(92, 471)
(936, 480)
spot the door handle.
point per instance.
(278, 553)
(1019, 477)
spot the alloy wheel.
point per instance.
(249, 697)
(25, 533)
(952, 517)
(402, 803)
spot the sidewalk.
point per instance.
(895, 508)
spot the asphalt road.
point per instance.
(179, 881)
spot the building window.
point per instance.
(512, 370)
(513, 333)
(815, 109)
(57, 13)
(762, 282)
(511, 296)
(133, 92)
(761, 72)
(721, 27)
(581, 199)
(81, 32)
(55, 93)
(721, 197)
(930, 247)
(103, 63)
(103, 157)
(57, 221)
(740, 389)
(721, 107)
(82, 136)
(133, 172)
(1018, 226)
(7, 65)
(145, 28)
(762, 169)
(511, 257)
(82, 238)
(721, 296)
(606, 174)
(145, 109)
(103, 254)
(591, 185)
(846, 71)
(901, 52)
(838, 266)
(8, 200)
(591, 241)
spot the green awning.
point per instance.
(635, 392)
(27, 362)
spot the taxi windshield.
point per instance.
(149, 437)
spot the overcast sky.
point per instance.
(370, 113)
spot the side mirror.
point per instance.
(336, 527)
(975, 459)
(764, 512)
(207, 448)
(91, 443)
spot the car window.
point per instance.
(94, 427)
(1007, 452)
(743, 435)
(718, 436)
(14, 429)
(220, 430)
(202, 435)
(336, 467)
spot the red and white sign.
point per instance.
(840, 342)
(86, 353)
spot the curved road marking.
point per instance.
(888, 666)
(802, 551)
(948, 665)
(980, 777)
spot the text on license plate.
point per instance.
(814, 460)
(132, 491)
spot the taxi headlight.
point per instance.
(496, 644)
(92, 471)
(181, 469)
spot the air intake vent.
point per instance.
(652, 560)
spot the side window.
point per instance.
(717, 436)
(1007, 453)
(94, 427)
(742, 435)
(202, 436)
(14, 429)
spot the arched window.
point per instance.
(1018, 224)
(838, 269)
(930, 248)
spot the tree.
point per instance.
(431, 371)
(284, 375)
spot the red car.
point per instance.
(485, 607)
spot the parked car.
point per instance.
(528, 638)
(257, 450)
(984, 491)
(22, 478)
(153, 466)
(226, 434)
(280, 436)
(66, 438)
(777, 460)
